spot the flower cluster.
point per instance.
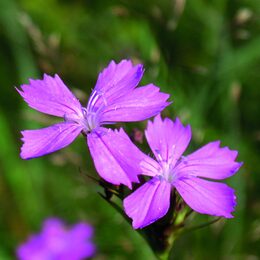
(116, 98)
(57, 242)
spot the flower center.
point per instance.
(166, 171)
(166, 168)
(89, 117)
(90, 120)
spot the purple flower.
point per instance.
(168, 140)
(115, 98)
(57, 242)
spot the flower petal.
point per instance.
(82, 231)
(116, 158)
(32, 249)
(150, 167)
(115, 81)
(167, 139)
(47, 140)
(50, 96)
(207, 197)
(148, 203)
(139, 104)
(79, 238)
(210, 161)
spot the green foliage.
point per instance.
(205, 53)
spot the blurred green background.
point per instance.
(206, 54)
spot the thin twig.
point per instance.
(200, 226)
